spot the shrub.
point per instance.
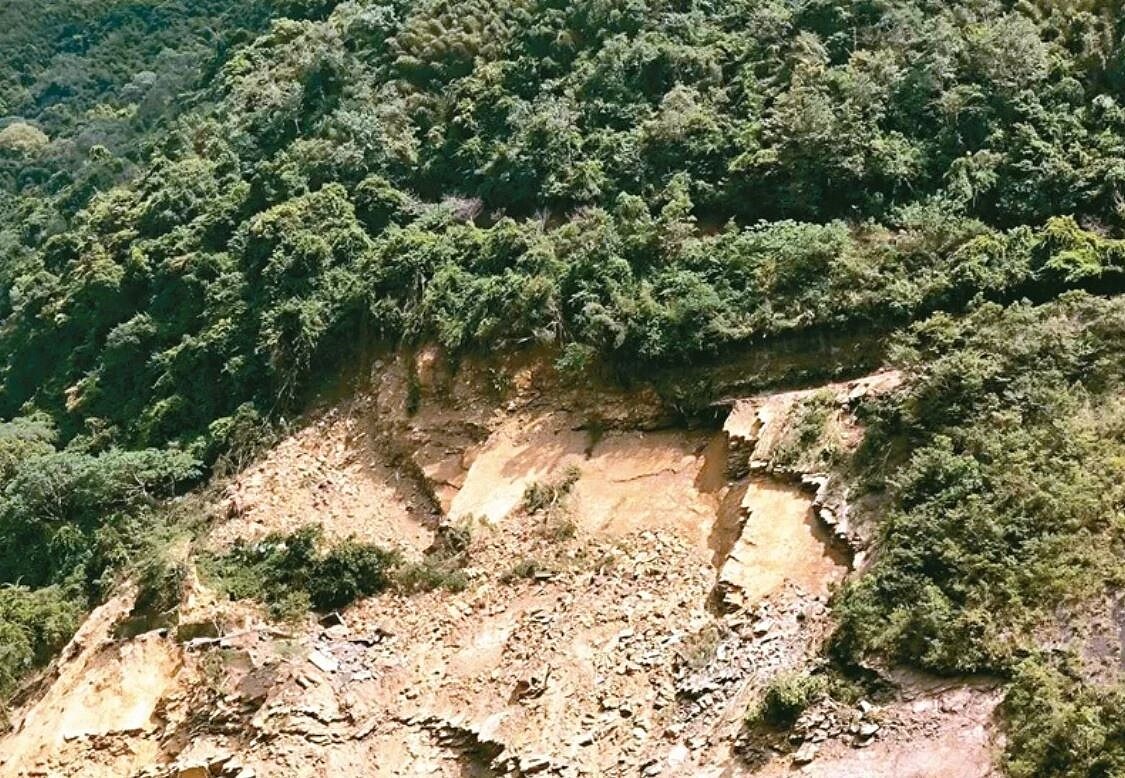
(559, 529)
(539, 496)
(348, 571)
(34, 625)
(786, 698)
(289, 573)
(236, 439)
(1005, 508)
(575, 360)
(442, 566)
(160, 578)
(1059, 728)
(160, 583)
(23, 438)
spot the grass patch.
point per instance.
(526, 569)
(433, 572)
(699, 648)
(559, 528)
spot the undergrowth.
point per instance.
(541, 496)
(786, 698)
(1058, 727)
(292, 573)
(811, 439)
(1001, 464)
(443, 565)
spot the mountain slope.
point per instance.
(214, 215)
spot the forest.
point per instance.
(208, 208)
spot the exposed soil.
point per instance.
(929, 731)
(780, 540)
(624, 629)
(335, 473)
(105, 693)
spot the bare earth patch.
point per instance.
(623, 630)
(335, 473)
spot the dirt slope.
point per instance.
(624, 630)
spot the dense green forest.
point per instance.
(208, 206)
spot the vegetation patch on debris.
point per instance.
(293, 573)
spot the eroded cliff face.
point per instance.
(623, 628)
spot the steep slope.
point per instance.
(624, 628)
(654, 241)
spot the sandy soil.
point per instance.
(335, 473)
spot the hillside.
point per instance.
(786, 337)
(624, 626)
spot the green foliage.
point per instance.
(22, 439)
(347, 571)
(160, 574)
(92, 86)
(207, 207)
(575, 359)
(160, 579)
(238, 438)
(806, 444)
(34, 624)
(640, 184)
(1059, 729)
(71, 522)
(442, 567)
(1010, 503)
(22, 139)
(67, 516)
(786, 698)
(290, 573)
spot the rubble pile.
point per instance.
(689, 575)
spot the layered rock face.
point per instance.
(621, 625)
